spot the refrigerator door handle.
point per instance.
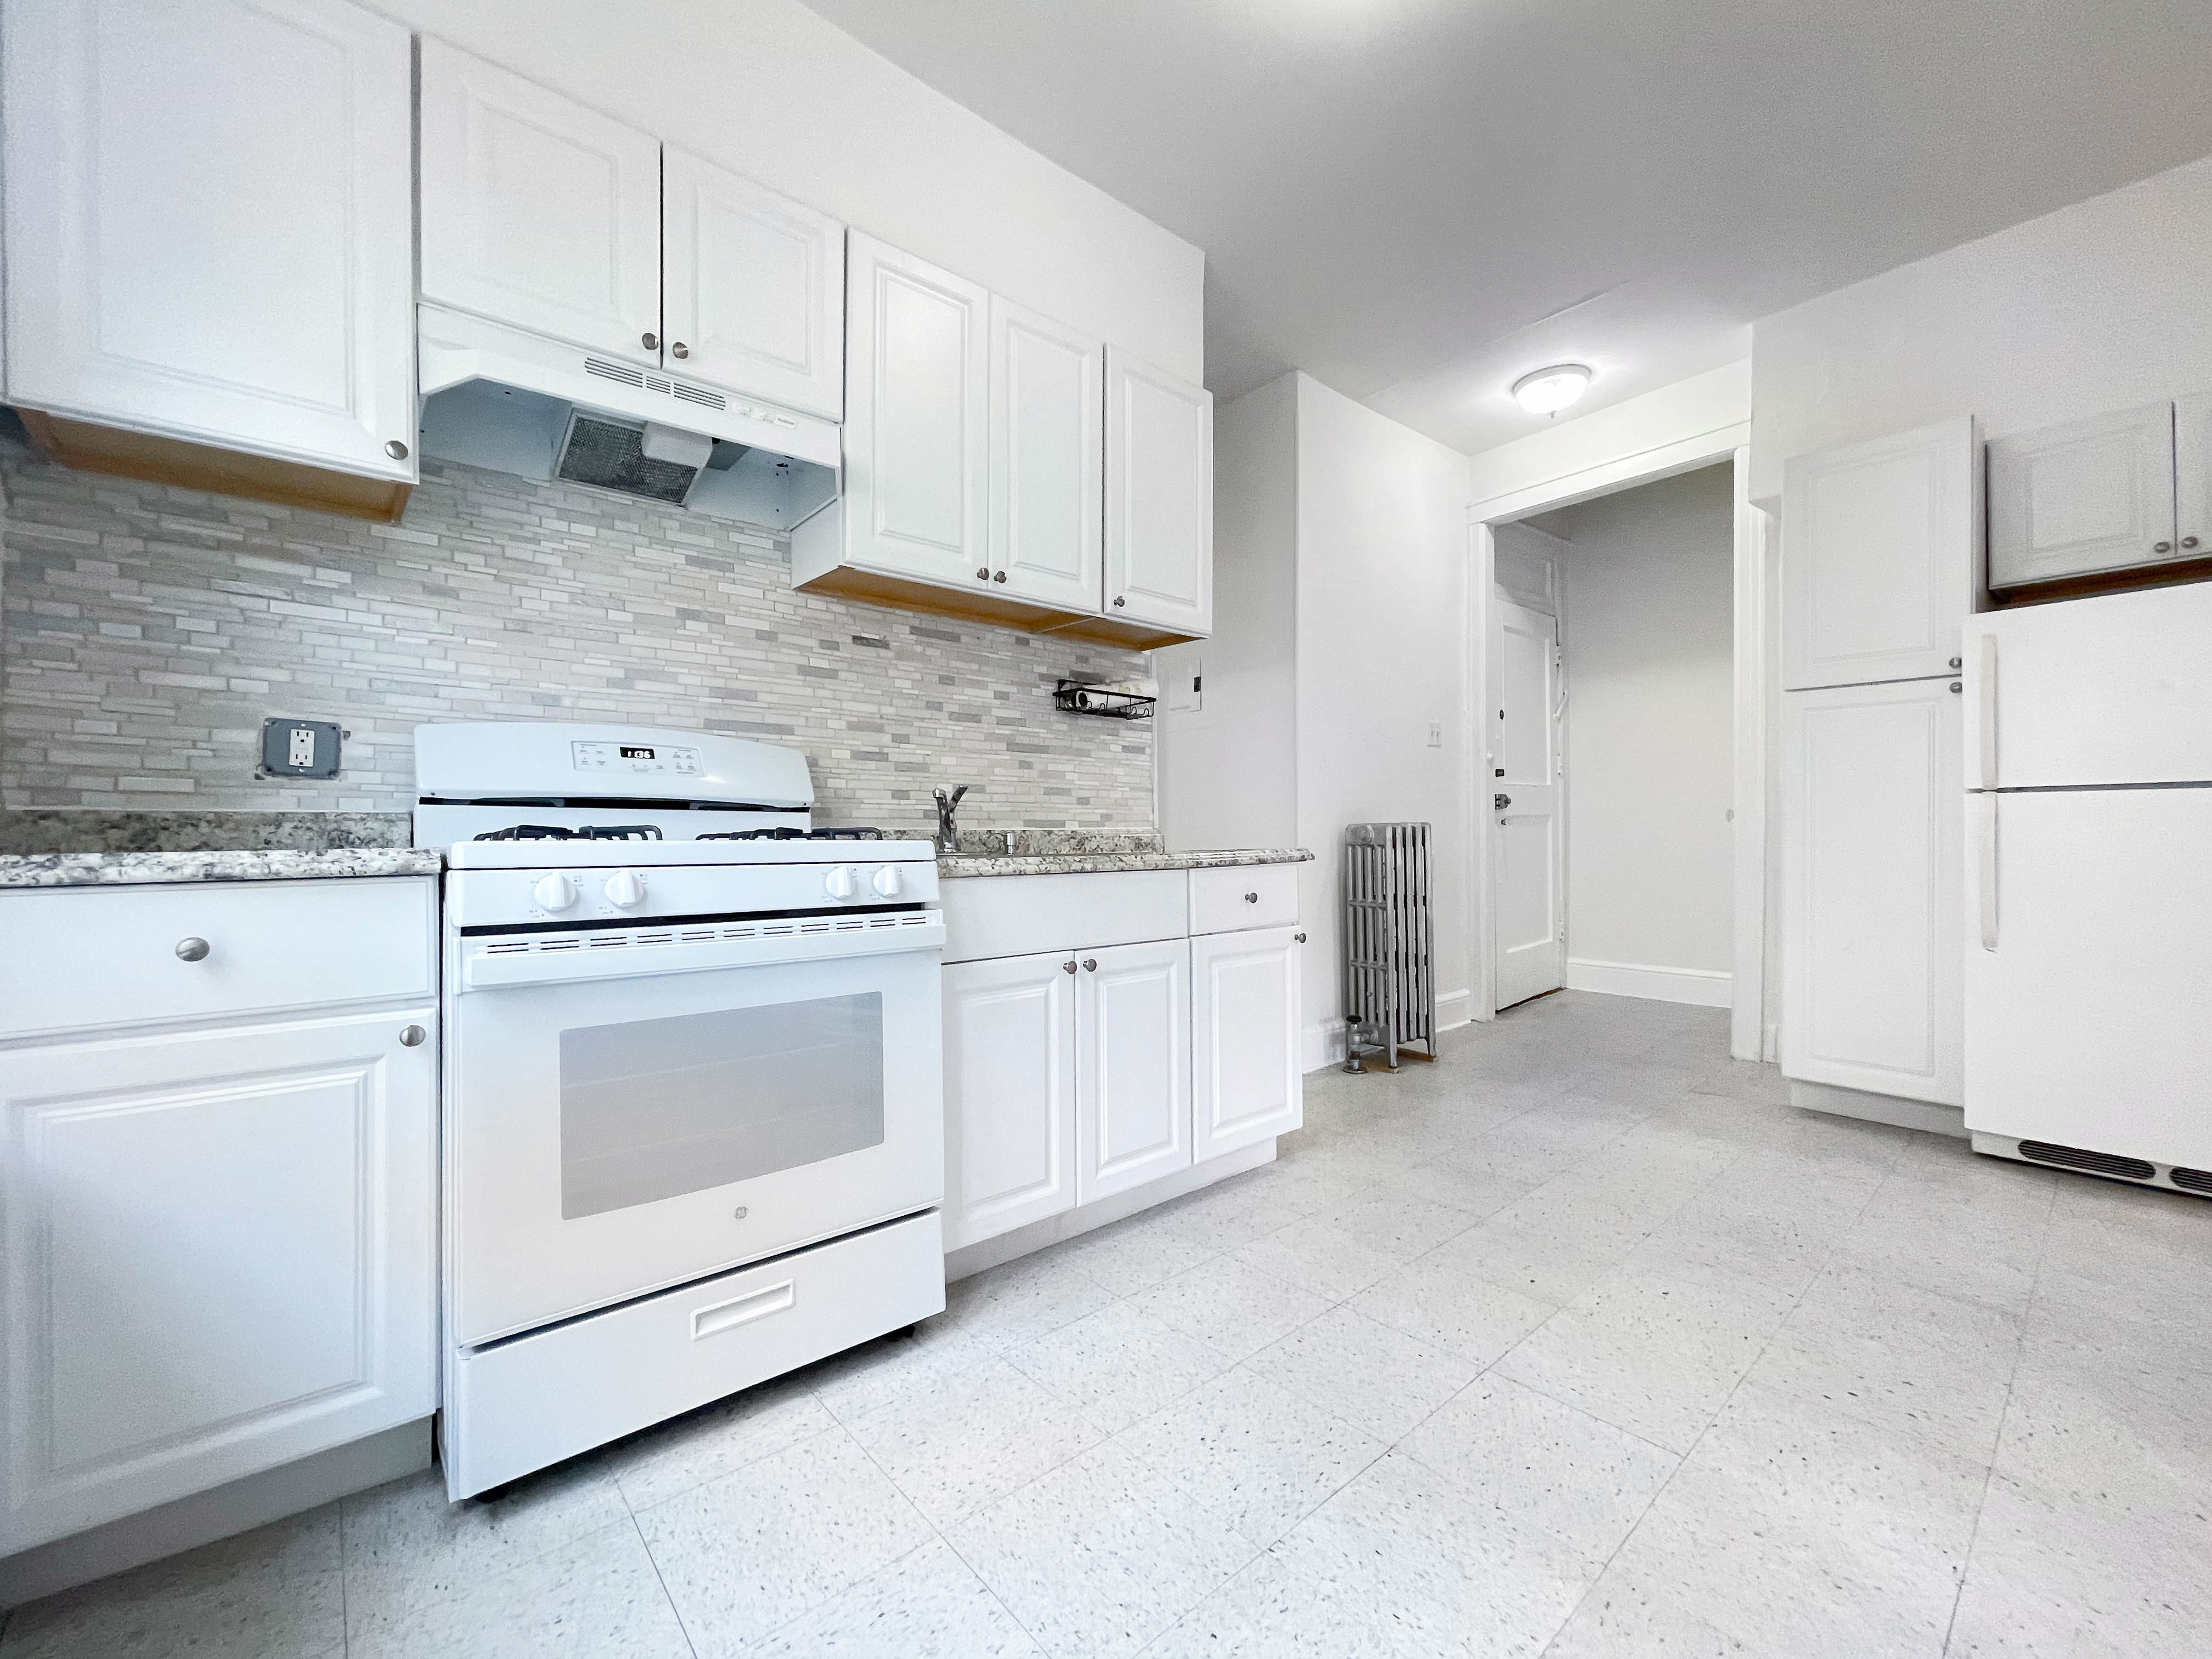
(1985, 807)
(1985, 712)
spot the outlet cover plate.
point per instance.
(298, 749)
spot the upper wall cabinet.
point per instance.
(1159, 499)
(2098, 495)
(209, 237)
(537, 211)
(751, 289)
(1048, 460)
(544, 215)
(1879, 544)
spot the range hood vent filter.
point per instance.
(611, 455)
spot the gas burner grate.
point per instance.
(785, 832)
(588, 832)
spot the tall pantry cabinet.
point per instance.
(1880, 545)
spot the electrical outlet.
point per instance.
(1436, 734)
(298, 749)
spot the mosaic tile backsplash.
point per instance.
(150, 630)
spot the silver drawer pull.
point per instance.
(192, 949)
(742, 1311)
(1251, 898)
(412, 1036)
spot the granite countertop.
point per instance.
(1071, 863)
(107, 849)
(124, 869)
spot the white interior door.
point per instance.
(1528, 899)
(2093, 495)
(1246, 1086)
(537, 211)
(1159, 497)
(1009, 1094)
(1133, 1066)
(753, 287)
(1048, 460)
(209, 224)
(2089, 949)
(1872, 818)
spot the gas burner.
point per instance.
(588, 832)
(785, 832)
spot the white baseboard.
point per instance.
(1704, 986)
(1892, 1110)
(228, 1511)
(1454, 1009)
(1053, 1230)
(1322, 1042)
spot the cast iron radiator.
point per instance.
(1390, 939)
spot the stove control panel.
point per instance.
(476, 898)
(676, 760)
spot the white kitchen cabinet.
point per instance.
(1245, 1084)
(1133, 1066)
(1159, 500)
(218, 1258)
(1872, 856)
(2087, 496)
(1010, 1090)
(1047, 459)
(753, 287)
(1879, 543)
(537, 211)
(2192, 476)
(209, 236)
(917, 457)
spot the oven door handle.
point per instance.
(498, 964)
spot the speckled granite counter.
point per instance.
(1072, 864)
(105, 849)
(124, 869)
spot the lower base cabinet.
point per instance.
(1133, 1066)
(1245, 1082)
(1009, 1094)
(216, 1257)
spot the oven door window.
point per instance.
(653, 1109)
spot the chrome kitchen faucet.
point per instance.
(948, 833)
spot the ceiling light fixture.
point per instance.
(1548, 391)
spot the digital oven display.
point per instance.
(635, 758)
(631, 751)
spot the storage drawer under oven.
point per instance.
(520, 1405)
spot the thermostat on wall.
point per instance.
(298, 749)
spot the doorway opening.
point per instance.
(1611, 745)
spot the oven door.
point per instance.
(613, 1133)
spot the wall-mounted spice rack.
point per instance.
(1081, 697)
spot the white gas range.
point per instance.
(694, 1126)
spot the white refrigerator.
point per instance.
(2088, 890)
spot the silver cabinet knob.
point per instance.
(650, 341)
(983, 574)
(1090, 964)
(679, 349)
(998, 575)
(1957, 685)
(1067, 967)
(1956, 663)
(192, 949)
(2188, 541)
(1251, 898)
(1499, 803)
(1301, 938)
(396, 450)
(413, 1036)
(1119, 601)
(2161, 547)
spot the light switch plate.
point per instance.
(298, 749)
(1436, 734)
(1185, 685)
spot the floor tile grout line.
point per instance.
(2004, 1411)
(660, 1578)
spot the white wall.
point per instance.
(1228, 771)
(771, 89)
(1381, 654)
(2102, 306)
(1650, 736)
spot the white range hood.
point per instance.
(515, 402)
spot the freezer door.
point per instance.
(2110, 690)
(2089, 970)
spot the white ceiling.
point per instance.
(1417, 200)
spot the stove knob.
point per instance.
(842, 882)
(554, 893)
(886, 881)
(625, 889)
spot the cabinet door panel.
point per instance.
(754, 293)
(219, 1257)
(1133, 1021)
(1879, 542)
(537, 211)
(2192, 476)
(1245, 1084)
(917, 462)
(1159, 497)
(1010, 1090)
(1046, 458)
(209, 224)
(2094, 494)
(1872, 828)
